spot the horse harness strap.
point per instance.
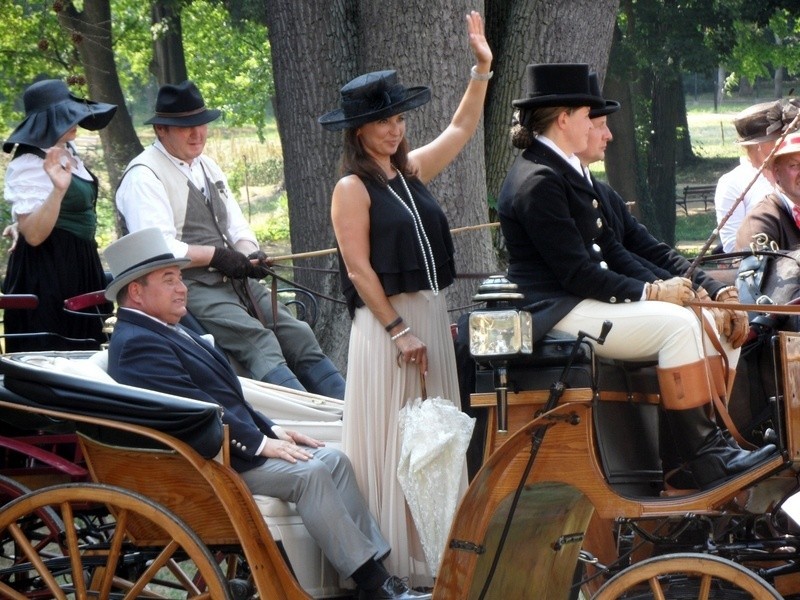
(250, 302)
(720, 407)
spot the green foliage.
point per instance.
(761, 46)
(31, 44)
(232, 65)
(273, 226)
(230, 61)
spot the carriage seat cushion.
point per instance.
(41, 380)
(553, 350)
(271, 507)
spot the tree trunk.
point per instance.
(777, 82)
(439, 57)
(622, 155)
(663, 142)
(684, 156)
(314, 53)
(91, 31)
(528, 31)
(169, 63)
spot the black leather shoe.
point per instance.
(393, 588)
(716, 465)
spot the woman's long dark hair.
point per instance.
(357, 161)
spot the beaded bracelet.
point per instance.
(393, 324)
(473, 72)
(401, 334)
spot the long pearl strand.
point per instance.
(422, 238)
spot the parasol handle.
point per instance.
(422, 384)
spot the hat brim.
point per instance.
(611, 106)
(568, 100)
(758, 140)
(200, 118)
(791, 149)
(113, 288)
(44, 128)
(336, 119)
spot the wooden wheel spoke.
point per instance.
(33, 556)
(655, 587)
(181, 576)
(705, 587)
(118, 537)
(151, 571)
(149, 553)
(72, 549)
(11, 594)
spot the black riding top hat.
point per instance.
(373, 96)
(611, 106)
(558, 84)
(51, 111)
(181, 105)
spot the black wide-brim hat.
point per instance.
(611, 106)
(51, 111)
(373, 96)
(557, 84)
(181, 105)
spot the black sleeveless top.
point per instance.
(395, 253)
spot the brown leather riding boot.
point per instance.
(685, 395)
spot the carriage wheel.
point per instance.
(117, 568)
(686, 576)
(42, 528)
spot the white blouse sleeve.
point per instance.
(26, 185)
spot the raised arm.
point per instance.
(37, 226)
(433, 157)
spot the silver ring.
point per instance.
(413, 359)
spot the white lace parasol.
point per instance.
(434, 437)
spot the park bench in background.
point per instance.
(696, 193)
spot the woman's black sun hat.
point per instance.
(51, 111)
(373, 96)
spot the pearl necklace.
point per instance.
(422, 238)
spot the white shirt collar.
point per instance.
(193, 171)
(571, 159)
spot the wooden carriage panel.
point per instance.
(790, 369)
(163, 476)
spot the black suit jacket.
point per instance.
(561, 249)
(657, 256)
(145, 353)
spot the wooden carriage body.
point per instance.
(519, 531)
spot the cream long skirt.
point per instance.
(376, 390)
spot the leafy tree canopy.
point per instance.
(230, 61)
